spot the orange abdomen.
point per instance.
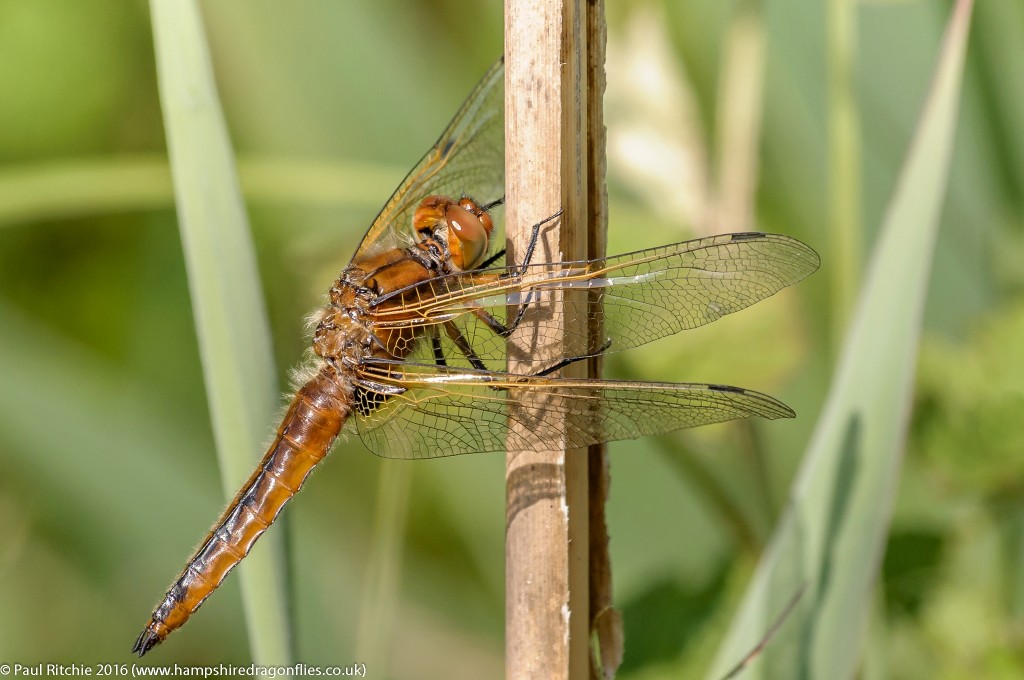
(308, 430)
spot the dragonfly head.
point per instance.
(466, 224)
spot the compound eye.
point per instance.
(470, 233)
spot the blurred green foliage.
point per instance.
(107, 466)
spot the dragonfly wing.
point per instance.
(636, 297)
(445, 413)
(468, 158)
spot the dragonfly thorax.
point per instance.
(340, 335)
(376, 285)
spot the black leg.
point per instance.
(572, 360)
(435, 343)
(529, 247)
(462, 345)
(534, 237)
(565, 362)
(489, 319)
(495, 325)
(492, 259)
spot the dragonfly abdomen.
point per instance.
(306, 433)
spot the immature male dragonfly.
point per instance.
(411, 349)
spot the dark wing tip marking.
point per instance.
(774, 408)
(807, 253)
(443, 151)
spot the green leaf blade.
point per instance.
(832, 536)
(227, 301)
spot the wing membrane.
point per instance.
(637, 297)
(447, 412)
(469, 158)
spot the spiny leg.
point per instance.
(496, 326)
(534, 237)
(572, 360)
(492, 259)
(460, 343)
(435, 344)
(467, 350)
(463, 346)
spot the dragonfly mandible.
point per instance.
(411, 350)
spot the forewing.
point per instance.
(636, 297)
(447, 413)
(469, 158)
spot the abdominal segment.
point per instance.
(308, 430)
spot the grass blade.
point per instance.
(99, 185)
(831, 538)
(231, 323)
(382, 585)
(844, 232)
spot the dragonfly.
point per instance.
(411, 351)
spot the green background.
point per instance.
(108, 475)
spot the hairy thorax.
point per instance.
(345, 332)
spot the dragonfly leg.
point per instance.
(498, 327)
(435, 344)
(534, 237)
(572, 360)
(463, 346)
(529, 248)
(492, 323)
(492, 259)
(460, 343)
